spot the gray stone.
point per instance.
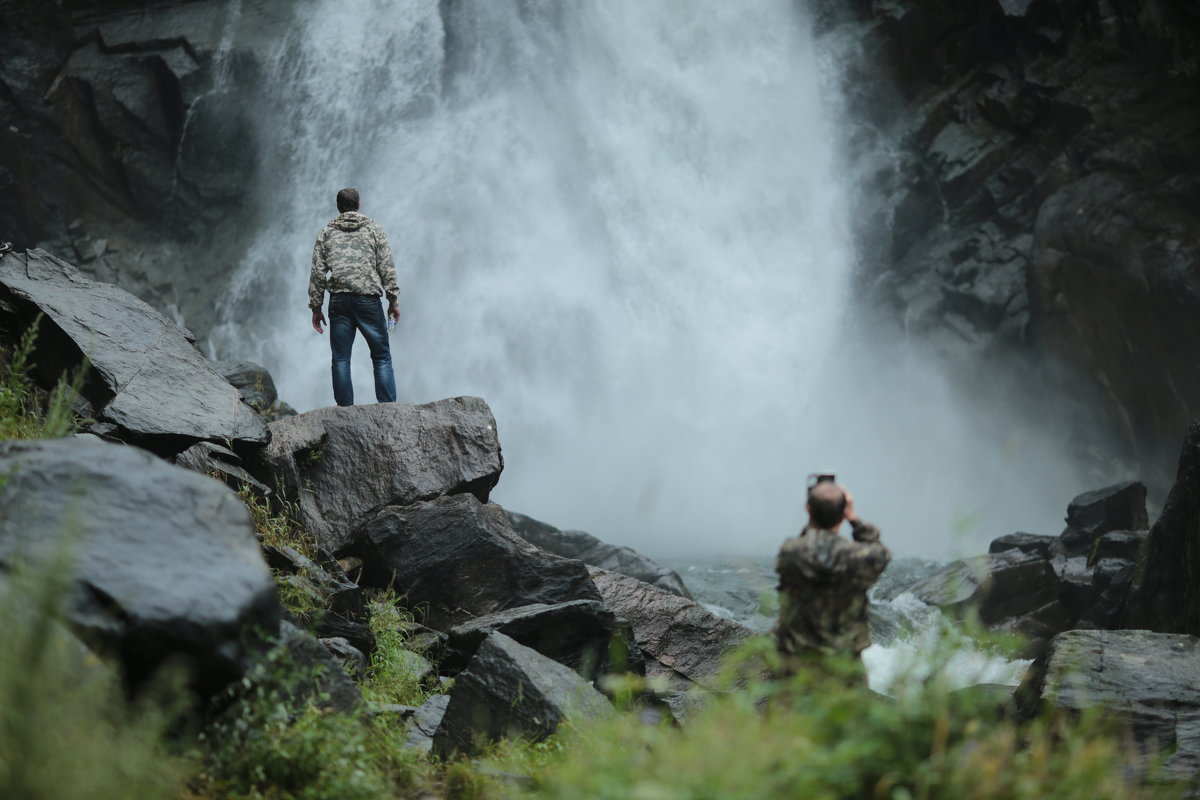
(1165, 595)
(511, 691)
(1030, 543)
(1120, 507)
(165, 564)
(353, 661)
(1148, 682)
(674, 633)
(342, 465)
(328, 625)
(454, 559)
(222, 463)
(576, 634)
(424, 721)
(327, 585)
(1000, 586)
(1125, 545)
(253, 382)
(595, 553)
(149, 377)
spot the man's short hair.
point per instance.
(347, 200)
(826, 505)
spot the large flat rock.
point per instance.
(1148, 682)
(153, 382)
(164, 563)
(343, 464)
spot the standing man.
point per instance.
(353, 261)
(823, 581)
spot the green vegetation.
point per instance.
(822, 736)
(396, 673)
(25, 411)
(66, 732)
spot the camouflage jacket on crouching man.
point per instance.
(352, 256)
(823, 583)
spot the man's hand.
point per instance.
(851, 516)
(318, 320)
(393, 311)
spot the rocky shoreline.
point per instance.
(167, 568)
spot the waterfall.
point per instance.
(624, 224)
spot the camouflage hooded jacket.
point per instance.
(351, 256)
(823, 583)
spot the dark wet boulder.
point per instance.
(576, 634)
(1166, 589)
(1000, 586)
(677, 636)
(595, 553)
(1147, 682)
(326, 585)
(342, 465)
(330, 625)
(454, 559)
(1120, 507)
(1126, 545)
(146, 375)
(1029, 543)
(512, 691)
(222, 463)
(253, 382)
(165, 563)
(352, 660)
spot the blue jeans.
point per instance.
(347, 313)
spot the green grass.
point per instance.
(25, 411)
(394, 675)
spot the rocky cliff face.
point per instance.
(1039, 194)
(125, 138)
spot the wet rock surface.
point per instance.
(577, 634)
(343, 465)
(1042, 203)
(509, 690)
(454, 559)
(1148, 682)
(595, 553)
(148, 377)
(1166, 590)
(1039, 586)
(676, 635)
(164, 561)
(115, 120)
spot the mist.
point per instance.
(625, 225)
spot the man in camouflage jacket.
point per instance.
(352, 260)
(823, 581)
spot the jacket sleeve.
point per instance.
(386, 264)
(317, 278)
(869, 558)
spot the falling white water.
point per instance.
(624, 225)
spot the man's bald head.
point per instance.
(826, 505)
